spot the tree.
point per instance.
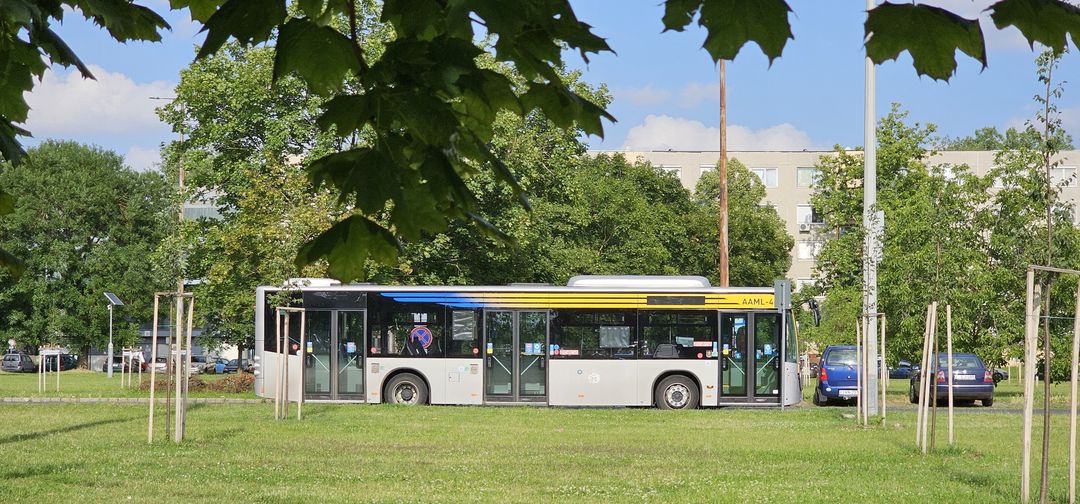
(760, 246)
(428, 102)
(84, 225)
(990, 139)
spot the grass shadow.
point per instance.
(37, 470)
(17, 438)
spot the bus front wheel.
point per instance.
(406, 388)
(677, 392)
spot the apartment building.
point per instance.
(789, 178)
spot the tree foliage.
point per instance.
(990, 139)
(84, 225)
(427, 102)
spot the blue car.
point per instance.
(972, 381)
(839, 376)
(902, 370)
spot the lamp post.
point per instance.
(113, 301)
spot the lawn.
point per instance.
(349, 453)
(82, 383)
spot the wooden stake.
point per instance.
(153, 371)
(932, 382)
(187, 364)
(1030, 326)
(884, 370)
(924, 385)
(303, 355)
(277, 373)
(1072, 398)
(1044, 473)
(178, 340)
(858, 373)
(921, 396)
(948, 350)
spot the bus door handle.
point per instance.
(542, 362)
(490, 362)
(724, 363)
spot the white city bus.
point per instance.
(670, 342)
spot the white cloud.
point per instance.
(1009, 38)
(66, 105)
(643, 97)
(696, 93)
(665, 132)
(142, 158)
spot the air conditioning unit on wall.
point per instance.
(804, 228)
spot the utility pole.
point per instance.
(724, 278)
(873, 224)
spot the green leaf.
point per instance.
(1044, 21)
(366, 173)
(7, 203)
(731, 24)
(124, 20)
(348, 245)
(19, 63)
(9, 144)
(347, 113)
(311, 8)
(320, 54)
(931, 35)
(57, 49)
(248, 21)
(12, 264)
(201, 10)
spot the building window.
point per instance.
(807, 176)
(808, 250)
(1063, 176)
(706, 168)
(768, 176)
(806, 214)
(804, 282)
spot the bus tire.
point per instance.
(677, 392)
(406, 388)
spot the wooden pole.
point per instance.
(277, 373)
(927, 374)
(1044, 473)
(1030, 326)
(948, 350)
(288, 352)
(884, 370)
(933, 383)
(153, 370)
(922, 370)
(303, 355)
(858, 372)
(187, 363)
(724, 278)
(178, 333)
(1072, 398)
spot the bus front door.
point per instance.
(334, 357)
(734, 356)
(515, 347)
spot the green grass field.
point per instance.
(360, 453)
(82, 383)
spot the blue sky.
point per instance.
(664, 84)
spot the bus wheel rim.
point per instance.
(406, 393)
(677, 395)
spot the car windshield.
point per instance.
(960, 362)
(841, 357)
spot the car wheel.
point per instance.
(911, 395)
(406, 388)
(676, 392)
(988, 402)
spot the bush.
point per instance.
(234, 383)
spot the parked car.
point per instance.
(218, 366)
(971, 380)
(838, 378)
(67, 361)
(901, 371)
(999, 375)
(232, 366)
(198, 364)
(18, 363)
(118, 365)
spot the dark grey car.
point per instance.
(18, 363)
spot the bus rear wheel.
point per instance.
(677, 392)
(406, 388)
